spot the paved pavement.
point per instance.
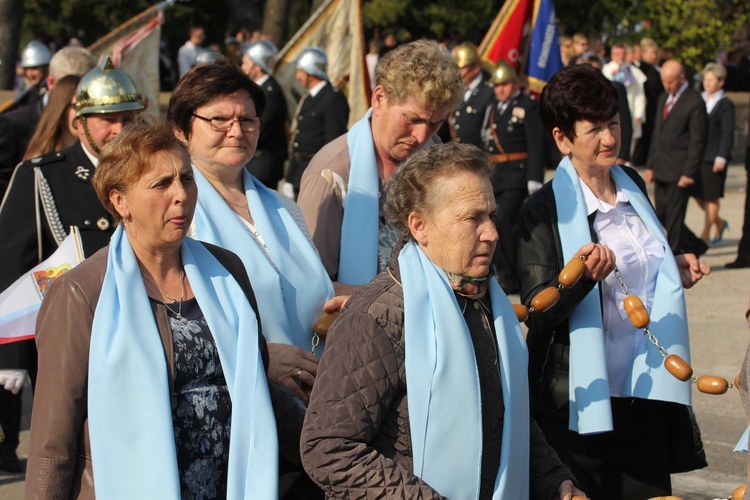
(719, 337)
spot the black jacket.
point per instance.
(466, 121)
(678, 142)
(68, 173)
(720, 131)
(16, 129)
(518, 129)
(540, 260)
(268, 162)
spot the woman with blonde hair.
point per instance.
(55, 130)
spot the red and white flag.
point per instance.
(134, 48)
(508, 34)
(19, 303)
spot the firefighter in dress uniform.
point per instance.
(267, 164)
(321, 115)
(465, 123)
(46, 196)
(513, 137)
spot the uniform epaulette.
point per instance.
(46, 159)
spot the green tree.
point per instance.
(431, 18)
(696, 29)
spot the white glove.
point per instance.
(287, 189)
(533, 186)
(14, 380)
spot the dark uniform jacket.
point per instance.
(678, 141)
(16, 129)
(68, 174)
(268, 162)
(466, 121)
(321, 119)
(517, 129)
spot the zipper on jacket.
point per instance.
(546, 356)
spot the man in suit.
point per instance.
(465, 124)
(653, 89)
(321, 116)
(17, 126)
(514, 139)
(676, 154)
(267, 164)
(46, 196)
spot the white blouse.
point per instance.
(638, 255)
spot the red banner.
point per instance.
(506, 37)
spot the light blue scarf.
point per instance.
(742, 443)
(445, 411)
(292, 289)
(130, 416)
(590, 409)
(358, 259)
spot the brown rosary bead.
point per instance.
(522, 312)
(579, 497)
(545, 299)
(678, 367)
(739, 492)
(636, 311)
(572, 272)
(324, 323)
(737, 380)
(711, 384)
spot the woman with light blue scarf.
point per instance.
(153, 379)
(599, 389)
(215, 112)
(423, 389)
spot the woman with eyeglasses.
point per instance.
(215, 111)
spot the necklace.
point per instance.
(178, 312)
(243, 207)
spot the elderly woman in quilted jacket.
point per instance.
(434, 317)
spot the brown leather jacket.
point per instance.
(59, 464)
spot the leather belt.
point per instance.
(506, 157)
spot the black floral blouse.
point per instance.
(201, 406)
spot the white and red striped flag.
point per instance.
(19, 303)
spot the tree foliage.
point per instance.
(693, 29)
(431, 18)
(56, 21)
(696, 29)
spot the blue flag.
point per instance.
(544, 58)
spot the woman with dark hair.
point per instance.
(152, 360)
(215, 111)
(599, 389)
(55, 130)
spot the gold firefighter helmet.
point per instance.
(465, 55)
(502, 73)
(106, 89)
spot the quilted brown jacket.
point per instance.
(356, 440)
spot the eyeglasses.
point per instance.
(221, 124)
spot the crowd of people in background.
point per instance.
(416, 222)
